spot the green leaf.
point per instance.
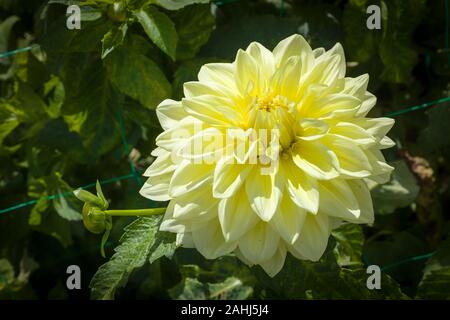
(190, 289)
(187, 71)
(399, 60)
(434, 138)
(139, 241)
(176, 4)
(223, 278)
(93, 101)
(241, 30)
(55, 226)
(159, 28)
(137, 76)
(360, 44)
(7, 124)
(399, 192)
(349, 244)
(325, 280)
(392, 44)
(55, 136)
(164, 246)
(113, 38)
(27, 105)
(388, 250)
(6, 273)
(9, 282)
(5, 30)
(53, 187)
(56, 38)
(231, 288)
(194, 25)
(38, 209)
(55, 94)
(66, 211)
(435, 283)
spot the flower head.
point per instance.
(266, 155)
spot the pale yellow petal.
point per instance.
(169, 113)
(260, 243)
(338, 200)
(353, 162)
(301, 188)
(356, 86)
(326, 72)
(229, 177)
(330, 104)
(205, 146)
(175, 137)
(288, 220)
(362, 195)
(313, 239)
(161, 165)
(294, 45)
(196, 88)
(265, 61)
(157, 187)
(311, 129)
(286, 80)
(274, 265)
(189, 176)
(213, 110)
(354, 132)
(184, 240)
(193, 205)
(247, 74)
(264, 194)
(337, 50)
(236, 216)
(209, 240)
(220, 73)
(316, 160)
(169, 224)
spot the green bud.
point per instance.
(101, 196)
(94, 219)
(117, 12)
(88, 197)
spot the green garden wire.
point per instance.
(16, 51)
(133, 169)
(415, 258)
(65, 194)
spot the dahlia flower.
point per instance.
(267, 154)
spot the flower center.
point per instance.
(269, 104)
(276, 116)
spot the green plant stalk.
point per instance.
(135, 212)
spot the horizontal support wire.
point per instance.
(135, 174)
(65, 194)
(16, 51)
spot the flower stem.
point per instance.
(136, 212)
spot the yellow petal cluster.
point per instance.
(295, 112)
